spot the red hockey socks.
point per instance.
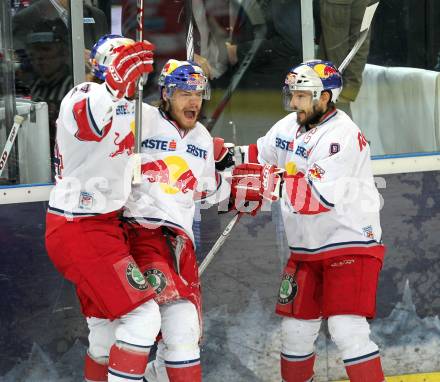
(184, 371)
(95, 371)
(366, 368)
(126, 364)
(296, 368)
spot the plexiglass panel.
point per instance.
(247, 47)
(36, 73)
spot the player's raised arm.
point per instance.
(117, 62)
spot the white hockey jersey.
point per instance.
(95, 138)
(338, 211)
(174, 167)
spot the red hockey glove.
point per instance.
(130, 63)
(252, 184)
(223, 154)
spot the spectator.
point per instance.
(49, 58)
(42, 46)
(95, 23)
(278, 25)
(338, 25)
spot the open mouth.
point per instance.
(190, 114)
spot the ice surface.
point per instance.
(245, 347)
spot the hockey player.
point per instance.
(178, 166)
(330, 209)
(84, 236)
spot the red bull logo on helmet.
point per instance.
(325, 71)
(172, 173)
(197, 80)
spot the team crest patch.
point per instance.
(85, 200)
(368, 232)
(288, 289)
(135, 277)
(123, 109)
(156, 279)
(334, 148)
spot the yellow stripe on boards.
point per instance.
(425, 377)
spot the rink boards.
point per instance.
(43, 333)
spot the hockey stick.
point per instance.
(365, 28)
(190, 34)
(220, 241)
(18, 121)
(366, 22)
(190, 57)
(138, 104)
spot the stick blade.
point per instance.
(368, 16)
(365, 27)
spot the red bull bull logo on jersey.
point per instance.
(124, 145)
(316, 172)
(172, 173)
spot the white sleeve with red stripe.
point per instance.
(86, 111)
(330, 176)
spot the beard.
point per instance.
(312, 119)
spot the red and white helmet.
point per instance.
(314, 76)
(104, 52)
